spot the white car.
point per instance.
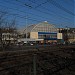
(31, 44)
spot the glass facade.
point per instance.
(47, 35)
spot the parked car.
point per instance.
(31, 44)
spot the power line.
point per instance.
(20, 16)
(41, 4)
(49, 10)
(48, 13)
(60, 7)
(44, 11)
(24, 12)
(36, 9)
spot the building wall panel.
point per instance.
(34, 35)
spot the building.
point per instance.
(68, 34)
(8, 36)
(41, 33)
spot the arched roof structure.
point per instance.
(41, 27)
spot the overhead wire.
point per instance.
(61, 7)
(43, 7)
(36, 9)
(17, 15)
(23, 11)
(31, 7)
(38, 5)
(44, 11)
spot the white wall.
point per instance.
(34, 35)
(59, 36)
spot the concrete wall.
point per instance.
(34, 35)
(59, 36)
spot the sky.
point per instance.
(61, 13)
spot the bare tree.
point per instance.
(2, 21)
(8, 30)
(13, 31)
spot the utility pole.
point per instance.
(73, 32)
(66, 34)
(1, 41)
(26, 30)
(34, 64)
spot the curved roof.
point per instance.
(41, 27)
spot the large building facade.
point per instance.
(42, 32)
